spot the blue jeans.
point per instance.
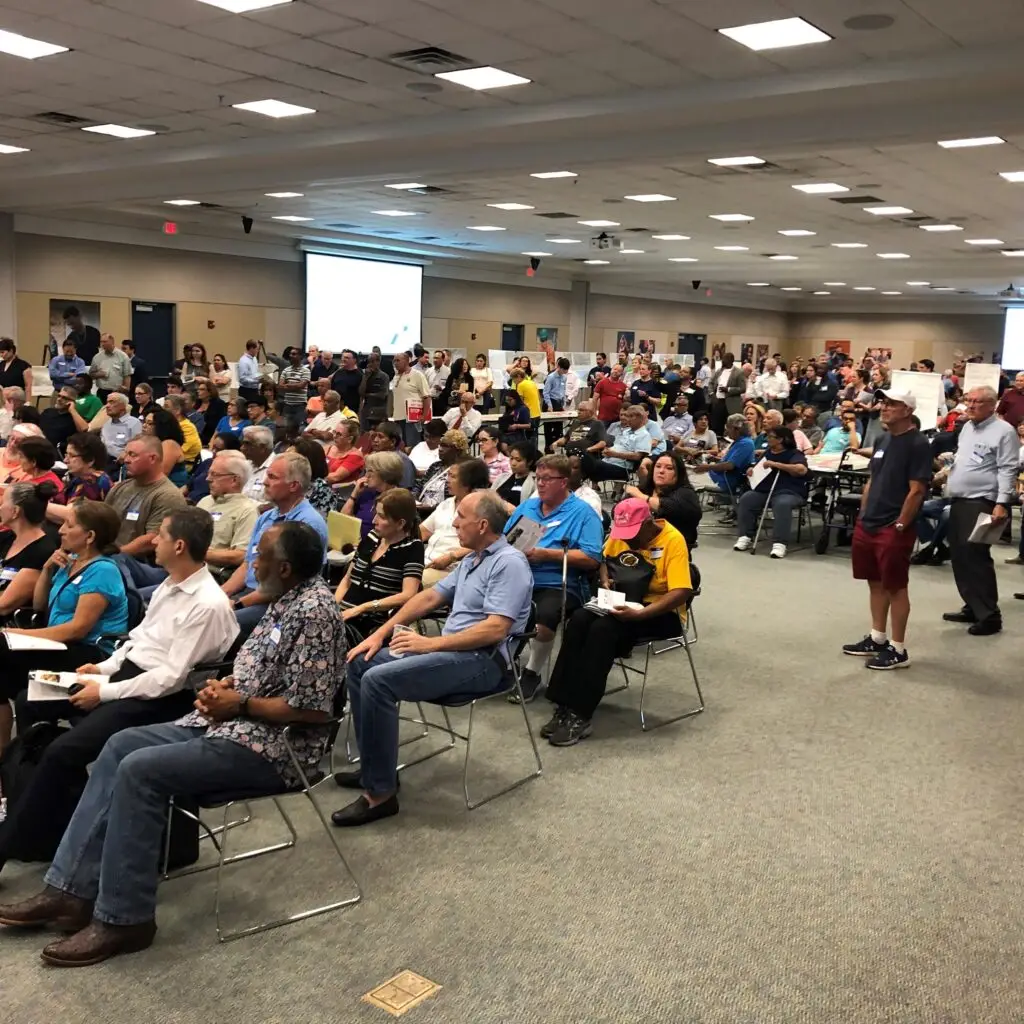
(111, 849)
(933, 521)
(411, 433)
(376, 687)
(142, 573)
(752, 504)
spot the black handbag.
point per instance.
(630, 574)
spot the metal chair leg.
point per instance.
(352, 757)
(696, 682)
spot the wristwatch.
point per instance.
(900, 526)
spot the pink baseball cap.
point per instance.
(628, 517)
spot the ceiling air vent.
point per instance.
(637, 231)
(341, 226)
(56, 117)
(430, 190)
(558, 216)
(429, 59)
(857, 200)
(917, 219)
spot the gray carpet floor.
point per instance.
(824, 844)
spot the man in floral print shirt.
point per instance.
(103, 881)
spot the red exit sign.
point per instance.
(170, 228)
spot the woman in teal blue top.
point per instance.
(236, 420)
(82, 592)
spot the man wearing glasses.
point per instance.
(570, 527)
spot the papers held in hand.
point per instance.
(986, 531)
(608, 599)
(55, 685)
(758, 473)
(525, 534)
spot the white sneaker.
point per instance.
(743, 544)
(778, 551)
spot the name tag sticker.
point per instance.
(553, 525)
(255, 550)
(216, 515)
(657, 552)
(132, 517)
(275, 635)
(878, 455)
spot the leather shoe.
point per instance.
(1019, 597)
(65, 912)
(986, 628)
(99, 941)
(354, 780)
(359, 812)
(964, 615)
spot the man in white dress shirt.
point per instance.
(772, 385)
(258, 448)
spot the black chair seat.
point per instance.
(214, 800)
(460, 700)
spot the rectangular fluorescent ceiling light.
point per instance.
(918, 284)
(652, 197)
(631, 252)
(941, 227)
(733, 248)
(284, 195)
(893, 255)
(554, 174)
(563, 241)
(1012, 175)
(984, 140)
(820, 188)
(849, 245)
(758, 284)
(783, 257)
(892, 293)
(822, 293)
(406, 185)
(943, 288)
(776, 35)
(510, 206)
(484, 227)
(730, 216)
(292, 218)
(23, 46)
(119, 131)
(244, 6)
(1013, 252)
(394, 213)
(684, 259)
(888, 211)
(12, 149)
(598, 263)
(273, 108)
(863, 288)
(834, 284)
(737, 161)
(482, 78)
(797, 232)
(537, 254)
(599, 223)
(984, 241)
(671, 238)
(181, 202)
(791, 288)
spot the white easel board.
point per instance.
(927, 389)
(981, 375)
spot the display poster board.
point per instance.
(981, 375)
(927, 389)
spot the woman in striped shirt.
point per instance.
(387, 568)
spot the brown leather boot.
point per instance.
(99, 941)
(65, 912)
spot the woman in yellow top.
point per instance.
(648, 559)
(191, 447)
(527, 392)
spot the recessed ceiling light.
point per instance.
(683, 259)
(632, 252)
(12, 149)
(820, 188)
(554, 174)
(292, 218)
(918, 284)
(652, 197)
(510, 206)
(864, 288)
(733, 248)
(730, 216)
(599, 223)
(941, 227)
(284, 195)
(892, 293)
(394, 213)
(791, 288)
(822, 293)
(737, 161)
(888, 211)
(984, 140)
(984, 241)
(119, 131)
(24, 46)
(244, 6)
(797, 232)
(893, 255)
(484, 227)
(759, 284)
(671, 238)
(1012, 175)
(563, 241)
(849, 245)
(943, 288)
(182, 202)
(834, 284)
(1013, 252)
(598, 263)
(405, 186)
(273, 108)
(775, 35)
(535, 253)
(482, 78)
(783, 257)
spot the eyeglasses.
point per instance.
(548, 477)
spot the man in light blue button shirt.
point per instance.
(628, 450)
(249, 376)
(286, 482)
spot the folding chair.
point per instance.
(219, 836)
(801, 511)
(653, 648)
(511, 684)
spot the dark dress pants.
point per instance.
(973, 569)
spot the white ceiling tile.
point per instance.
(303, 19)
(375, 13)
(243, 32)
(371, 41)
(310, 52)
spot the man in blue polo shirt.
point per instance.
(572, 527)
(729, 475)
(628, 448)
(287, 479)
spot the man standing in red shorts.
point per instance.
(901, 471)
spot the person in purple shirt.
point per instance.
(384, 470)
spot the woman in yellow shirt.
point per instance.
(527, 392)
(191, 447)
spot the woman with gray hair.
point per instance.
(729, 474)
(383, 471)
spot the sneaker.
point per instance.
(531, 685)
(866, 648)
(888, 659)
(571, 730)
(778, 551)
(1016, 560)
(554, 723)
(924, 556)
(743, 544)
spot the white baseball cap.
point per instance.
(898, 396)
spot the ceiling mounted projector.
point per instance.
(1010, 292)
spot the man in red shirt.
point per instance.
(1011, 406)
(609, 392)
